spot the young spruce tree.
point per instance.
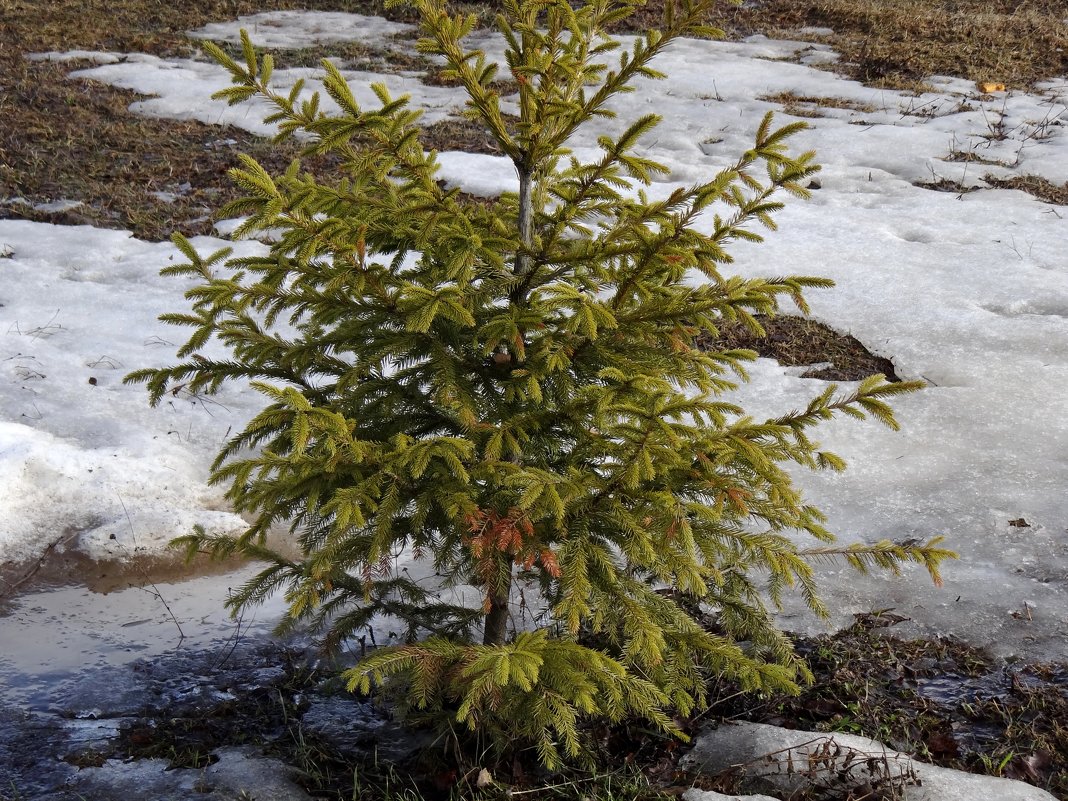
(513, 391)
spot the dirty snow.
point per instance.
(968, 291)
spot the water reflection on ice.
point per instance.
(52, 634)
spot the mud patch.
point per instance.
(63, 568)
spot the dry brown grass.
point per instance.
(457, 133)
(1034, 185)
(354, 55)
(899, 43)
(971, 157)
(76, 140)
(150, 26)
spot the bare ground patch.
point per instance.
(63, 139)
(801, 341)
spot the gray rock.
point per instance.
(239, 774)
(783, 761)
(356, 729)
(244, 770)
(693, 794)
(145, 778)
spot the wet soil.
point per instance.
(159, 725)
(225, 709)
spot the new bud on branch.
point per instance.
(512, 391)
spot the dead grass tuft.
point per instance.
(971, 157)
(1034, 185)
(812, 106)
(942, 184)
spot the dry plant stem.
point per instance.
(150, 583)
(829, 767)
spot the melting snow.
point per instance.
(968, 291)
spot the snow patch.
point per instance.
(296, 29)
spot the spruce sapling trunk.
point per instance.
(496, 624)
(496, 631)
